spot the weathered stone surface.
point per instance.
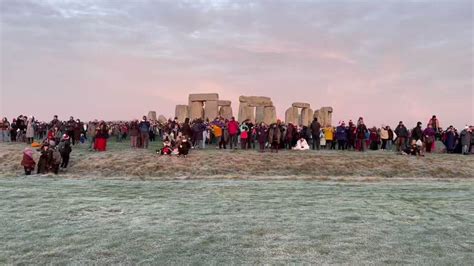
(301, 105)
(269, 115)
(255, 101)
(246, 112)
(162, 119)
(291, 116)
(325, 115)
(224, 103)
(305, 117)
(181, 112)
(211, 110)
(310, 116)
(226, 112)
(202, 97)
(151, 116)
(259, 114)
(196, 110)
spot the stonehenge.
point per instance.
(257, 109)
(254, 108)
(204, 106)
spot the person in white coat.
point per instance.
(30, 131)
(301, 145)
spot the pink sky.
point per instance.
(386, 61)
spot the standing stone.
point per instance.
(325, 114)
(162, 119)
(181, 112)
(246, 112)
(310, 116)
(259, 114)
(305, 117)
(196, 110)
(269, 115)
(226, 112)
(211, 110)
(151, 116)
(291, 116)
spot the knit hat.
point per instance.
(28, 152)
(65, 137)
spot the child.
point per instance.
(183, 148)
(28, 163)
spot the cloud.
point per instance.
(386, 60)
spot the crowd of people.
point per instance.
(57, 137)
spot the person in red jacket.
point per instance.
(28, 163)
(233, 127)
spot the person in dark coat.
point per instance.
(341, 136)
(417, 132)
(71, 128)
(183, 148)
(262, 136)
(274, 137)
(315, 132)
(45, 160)
(65, 150)
(402, 134)
(360, 134)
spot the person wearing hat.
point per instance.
(429, 138)
(28, 162)
(65, 150)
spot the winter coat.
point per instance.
(429, 135)
(64, 147)
(401, 131)
(133, 131)
(417, 133)
(384, 133)
(262, 134)
(144, 127)
(274, 135)
(341, 133)
(28, 162)
(465, 137)
(30, 131)
(186, 130)
(361, 131)
(233, 127)
(315, 128)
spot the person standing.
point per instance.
(133, 132)
(65, 150)
(341, 136)
(361, 132)
(4, 130)
(144, 128)
(91, 132)
(233, 127)
(434, 122)
(402, 134)
(30, 131)
(274, 136)
(429, 137)
(465, 137)
(101, 137)
(384, 137)
(315, 133)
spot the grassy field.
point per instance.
(83, 221)
(123, 163)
